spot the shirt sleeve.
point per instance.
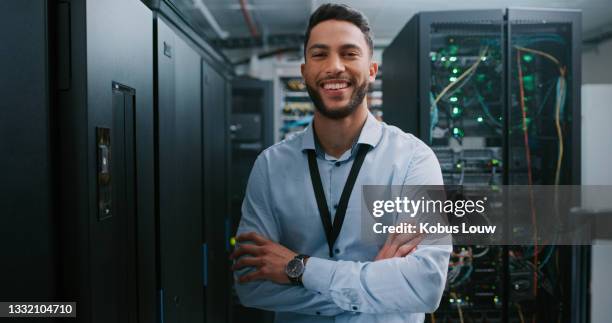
(257, 216)
(414, 283)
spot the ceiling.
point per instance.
(387, 17)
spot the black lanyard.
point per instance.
(333, 231)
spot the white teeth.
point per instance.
(334, 86)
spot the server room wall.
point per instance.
(26, 154)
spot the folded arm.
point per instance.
(257, 216)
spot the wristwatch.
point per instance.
(295, 269)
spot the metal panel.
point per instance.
(215, 164)
(27, 240)
(180, 177)
(99, 258)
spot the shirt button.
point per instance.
(337, 164)
(355, 308)
(336, 250)
(318, 313)
(335, 206)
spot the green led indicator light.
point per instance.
(452, 79)
(452, 58)
(453, 99)
(443, 59)
(455, 70)
(529, 82)
(458, 166)
(457, 132)
(527, 58)
(479, 119)
(456, 111)
(494, 162)
(232, 241)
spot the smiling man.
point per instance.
(301, 252)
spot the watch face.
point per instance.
(295, 268)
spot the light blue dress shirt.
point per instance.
(349, 287)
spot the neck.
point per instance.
(337, 135)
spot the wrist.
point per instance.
(295, 269)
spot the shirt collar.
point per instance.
(370, 134)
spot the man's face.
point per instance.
(337, 68)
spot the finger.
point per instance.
(247, 262)
(245, 249)
(386, 252)
(404, 251)
(252, 236)
(256, 275)
(405, 238)
(390, 238)
(381, 255)
(408, 248)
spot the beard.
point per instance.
(356, 99)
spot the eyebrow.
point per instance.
(343, 47)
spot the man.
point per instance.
(291, 259)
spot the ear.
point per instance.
(302, 66)
(373, 71)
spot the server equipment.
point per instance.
(101, 102)
(192, 89)
(496, 94)
(115, 123)
(252, 131)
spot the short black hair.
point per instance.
(332, 11)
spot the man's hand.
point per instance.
(267, 257)
(399, 245)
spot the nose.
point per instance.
(334, 65)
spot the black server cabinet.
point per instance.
(180, 178)
(103, 80)
(496, 94)
(216, 93)
(192, 118)
(252, 131)
(28, 212)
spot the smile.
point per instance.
(335, 84)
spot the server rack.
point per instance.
(180, 177)
(102, 107)
(192, 117)
(26, 144)
(476, 86)
(90, 138)
(252, 131)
